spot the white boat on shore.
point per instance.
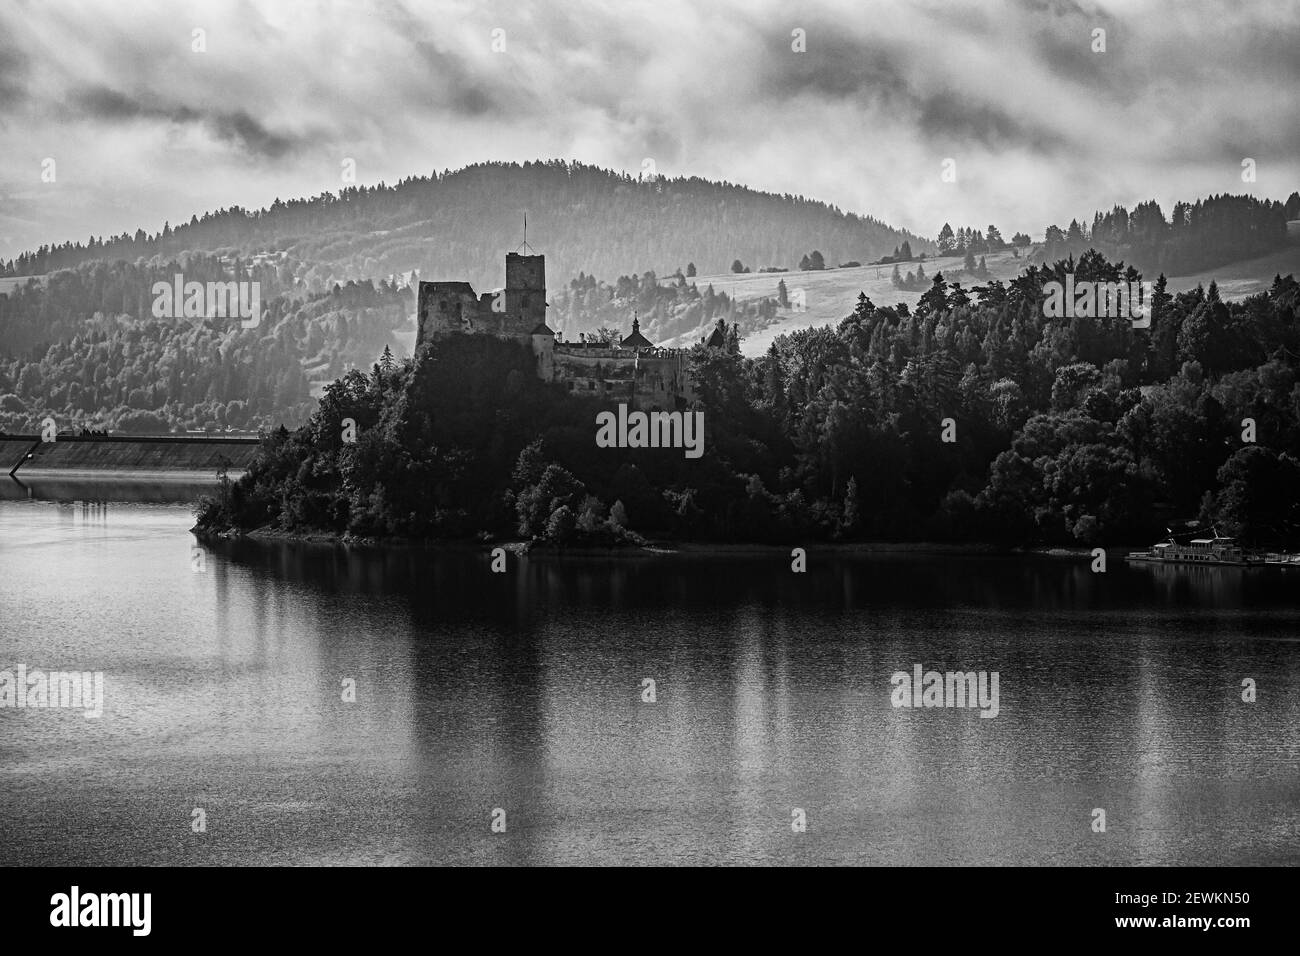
(1214, 550)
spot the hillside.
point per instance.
(9, 283)
(458, 225)
(1239, 279)
(81, 343)
(830, 295)
(1073, 431)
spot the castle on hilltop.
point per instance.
(632, 370)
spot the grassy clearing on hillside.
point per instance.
(831, 295)
(1240, 279)
(12, 282)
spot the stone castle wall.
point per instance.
(647, 377)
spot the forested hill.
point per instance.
(458, 225)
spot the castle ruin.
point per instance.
(632, 370)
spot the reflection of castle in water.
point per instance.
(633, 370)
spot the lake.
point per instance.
(226, 668)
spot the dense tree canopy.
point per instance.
(971, 417)
(1195, 237)
(85, 349)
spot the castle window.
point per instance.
(442, 305)
(525, 302)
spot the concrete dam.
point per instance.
(125, 457)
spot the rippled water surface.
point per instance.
(523, 691)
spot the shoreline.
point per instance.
(651, 548)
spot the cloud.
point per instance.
(107, 105)
(237, 127)
(13, 77)
(1042, 127)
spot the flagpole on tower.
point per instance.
(525, 248)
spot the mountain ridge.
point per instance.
(458, 225)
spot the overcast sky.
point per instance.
(144, 129)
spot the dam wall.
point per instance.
(13, 451)
(156, 458)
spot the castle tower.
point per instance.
(544, 352)
(525, 294)
(636, 340)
